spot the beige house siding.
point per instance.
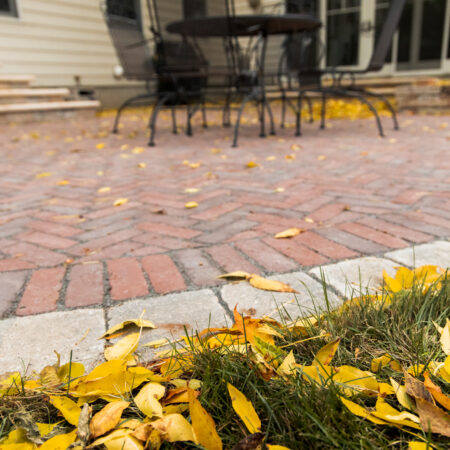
(56, 40)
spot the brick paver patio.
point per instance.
(65, 245)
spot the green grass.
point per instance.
(303, 415)
(296, 413)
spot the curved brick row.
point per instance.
(64, 245)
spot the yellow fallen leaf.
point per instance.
(279, 189)
(445, 338)
(63, 182)
(142, 165)
(124, 147)
(290, 157)
(378, 363)
(288, 366)
(195, 165)
(191, 190)
(43, 175)
(124, 348)
(72, 370)
(203, 425)
(352, 381)
(308, 220)
(174, 428)
(104, 189)
(296, 147)
(321, 157)
(326, 353)
(190, 205)
(121, 439)
(252, 164)
(147, 399)
(271, 158)
(385, 411)
(58, 442)
(100, 173)
(417, 445)
(120, 201)
(68, 408)
(360, 411)
(290, 232)
(107, 418)
(244, 409)
(235, 276)
(138, 150)
(214, 151)
(100, 146)
(403, 398)
(269, 285)
(140, 323)
(276, 447)
(125, 156)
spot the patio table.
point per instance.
(249, 25)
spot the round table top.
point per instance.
(244, 25)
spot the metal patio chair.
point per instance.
(191, 66)
(123, 20)
(312, 80)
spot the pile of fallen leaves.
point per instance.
(126, 403)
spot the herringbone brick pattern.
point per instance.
(65, 245)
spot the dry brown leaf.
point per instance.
(416, 388)
(270, 285)
(432, 418)
(290, 232)
(107, 418)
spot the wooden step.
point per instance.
(31, 95)
(15, 81)
(41, 111)
(49, 106)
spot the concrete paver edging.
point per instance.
(27, 343)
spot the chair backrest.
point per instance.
(303, 52)
(124, 23)
(384, 41)
(176, 52)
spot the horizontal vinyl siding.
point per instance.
(56, 40)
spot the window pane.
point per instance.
(432, 29)
(302, 6)
(8, 7)
(343, 39)
(334, 4)
(404, 37)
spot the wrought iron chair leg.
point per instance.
(364, 100)
(322, 114)
(388, 104)
(204, 120)
(226, 112)
(174, 121)
(247, 99)
(283, 110)
(310, 109)
(298, 115)
(124, 105)
(188, 120)
(262, 118)
(272, 122)
(157, 107)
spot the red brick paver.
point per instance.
(63, 243)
